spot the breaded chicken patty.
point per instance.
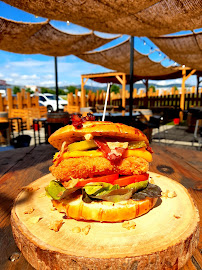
(87, 167)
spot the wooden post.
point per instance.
(83, 92)
(124, 93)
(134, 92)
(89, 98)
(193, 89)
(97, 97)
(23, 92)
(102, 96)
(28, 100)
(19, 100)
(76, 98)
(10, 100)
(182, 97)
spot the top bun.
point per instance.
(97, 128)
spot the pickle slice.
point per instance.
(136, 144)
(82, 146)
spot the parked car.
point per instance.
(49, 101)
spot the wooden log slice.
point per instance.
(164, 238)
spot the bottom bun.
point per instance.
(104, 210)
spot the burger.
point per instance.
(101, 171)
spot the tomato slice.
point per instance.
(124, 181)
(107, 179)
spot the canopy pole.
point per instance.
(131, 76)
(56, 80)
(106, 99)
(197, 89)
(146, 83)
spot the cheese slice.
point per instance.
(141, 152)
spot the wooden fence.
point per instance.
(167, 98)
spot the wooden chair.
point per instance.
(24, 115)
(72, 109)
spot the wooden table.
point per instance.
(22, 166)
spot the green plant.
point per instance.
(153, 88)
(28, 90)
(115, 88)
(16, 89)
(71, 89)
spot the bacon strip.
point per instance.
(77, 120)
(149, 149)
(112, 155)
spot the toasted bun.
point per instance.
(104, 211)
(97, 128)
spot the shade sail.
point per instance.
(184, 49)
(118, 58)
(43, 38)
(132, 17)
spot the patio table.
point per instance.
(22, 166)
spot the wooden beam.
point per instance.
(182, 97)
(190, 73)
(119, 79)
(82, 92)
(10, 100)
(107, 74)
(85, 81)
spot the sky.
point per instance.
(21, 69)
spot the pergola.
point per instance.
(116, 77)
(118, 58)
(123, 79)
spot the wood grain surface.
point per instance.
(20, 168)
(167, 235)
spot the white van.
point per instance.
(49, 101)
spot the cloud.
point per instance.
(14, 75)
(166, 82)
(48, 76)
(29, 77)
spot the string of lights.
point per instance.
(153, 50)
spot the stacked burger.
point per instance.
(101, 171)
